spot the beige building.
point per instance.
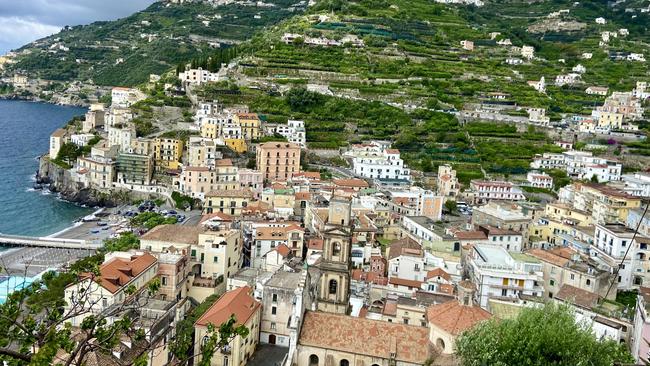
(197, 181)
(279, 300)
(173, 271)
(448, 320)
(230, 202)
(278, 160)
(119, 271)
(240, 304)
(99, 172)
(563, 266)
(336, 339)
(251, 126)
(142, 146)
(94, 119)
(167, 153)
(447, 182)
(57, 139)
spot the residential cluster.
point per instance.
(369, 255)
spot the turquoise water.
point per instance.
(11, 284)
(25, 128)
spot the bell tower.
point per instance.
(334, 291)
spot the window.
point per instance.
(163, 280)
(504, 292)
(336, 249)
(588, 282)
(274, 310)
(440, 344)
(215, 259)
(552, 282)
(333, 287)
(274, 298)
(344, 362)
(273, 326)
(313, 360)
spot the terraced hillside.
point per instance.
(126, 51)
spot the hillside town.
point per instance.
(279, 204)
(360, 252)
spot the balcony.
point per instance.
(207, 282)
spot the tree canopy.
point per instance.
(538, 336)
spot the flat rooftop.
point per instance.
(283, 279)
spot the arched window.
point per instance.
(333, 287)
(440, 344)
(336, 249)
(313, 360)
(344, 362)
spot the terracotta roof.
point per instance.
(216, 215)
(390, 308)
(404, 282)
(308, 175)
(235, 193)
(275, 233)
(578, 296)
(283, 250)
(455, 318)
(396, 247)
(315, 244)
(438, 272)
(303, 195)
(354, 182)
(471, 235)
(119, 271)
(364, 336)
(247, 115)
(174, 234)
(369, 277)
(59, 132)
(196, 169)
(223, 162)
(278, 145)
(549, 257)
(446, 288)
(392, 151)
(236, 302)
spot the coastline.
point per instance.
(74, 225)
(35, 99)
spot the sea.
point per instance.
(25, 128)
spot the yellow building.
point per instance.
(610, 119)
(168, 152)
(230, 202)
(236, 145)
(250, 125)
(568, 214)
(246, 310)
(143, 146)
(210, 130)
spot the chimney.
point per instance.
(466, 291)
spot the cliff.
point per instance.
(60, 180)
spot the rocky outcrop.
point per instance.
(59, 180)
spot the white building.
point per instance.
(122, 137)
(502, 275)
(637, 184)
(580, 165)
(568, 79)
(377, 161)
(294, 131)
(495, 190)
(81, 139)
(198, 76)
(611, 243)
(528, 52)
(126, 97)
(601, 20)
(539, 180)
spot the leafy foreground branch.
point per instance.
(537, 337)
(60, 320)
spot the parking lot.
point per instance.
(29, 262)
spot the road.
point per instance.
(338, 171)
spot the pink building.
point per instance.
(253, 180)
